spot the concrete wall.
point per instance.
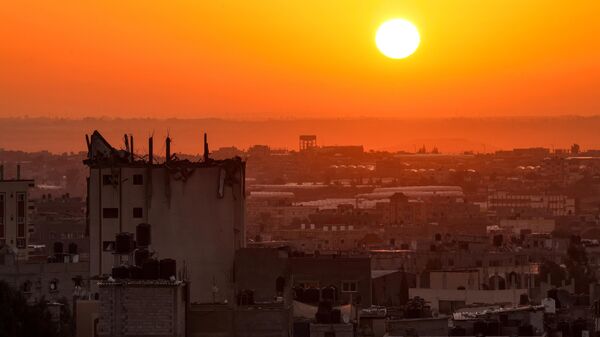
(263, 322)
(536, 225)
(207, 320)
(454, 279)
(337, 330)
(386, 289)
(142, 309)
(258, 269)
(334, 270)
(434, 296)
(423, 326)
(9, 191)
(86, 314)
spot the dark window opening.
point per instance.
(110, 213)
(138, 179)
(279, 285)
(349, 286)
(107, 179)
(53, 286)
(21, 230)
(26, 287)
(138, 212)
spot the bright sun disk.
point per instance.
(397, 38)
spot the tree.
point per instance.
(20, 319)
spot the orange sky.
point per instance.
(285, 59)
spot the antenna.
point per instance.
(206, 158)
(168, 149)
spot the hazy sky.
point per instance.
(272, 59)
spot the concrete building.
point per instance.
(429, 326)
(519, 203)
(531, 225)
(15, 213)
(346, 279)
(49, 281)
(196, 210)
(60, 229)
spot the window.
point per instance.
(107, 179)
(138, 179)
(1, 215)
(53, 286)
(21, 215)
(349, 286)
(138, 212)
(110, 213)
(26, 287)
(308, 284)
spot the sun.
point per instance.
(397, 38)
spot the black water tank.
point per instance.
(564, 327)
(168, 268)
(336, 316)
(311, 295)
(136, 273)
(328, 293)
(578, 326)
(299, 294)
(493, 328)
(151, 269)
(526, 330)
(498, 239)
(140, 256)
(124, 243)
(323, 314)
(121, 272)
(301, 329)
(58, 248)
(458, 331)
(479, 328)
(246, 297)
(143, 235)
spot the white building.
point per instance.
(552, 204)
(196, 210)
(15, 214)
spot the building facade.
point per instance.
(15, 214)
(190, 206)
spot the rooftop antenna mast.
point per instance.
(206, 153)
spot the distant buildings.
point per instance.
(531, 204)
(15, 214)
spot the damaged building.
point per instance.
(191, 205)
